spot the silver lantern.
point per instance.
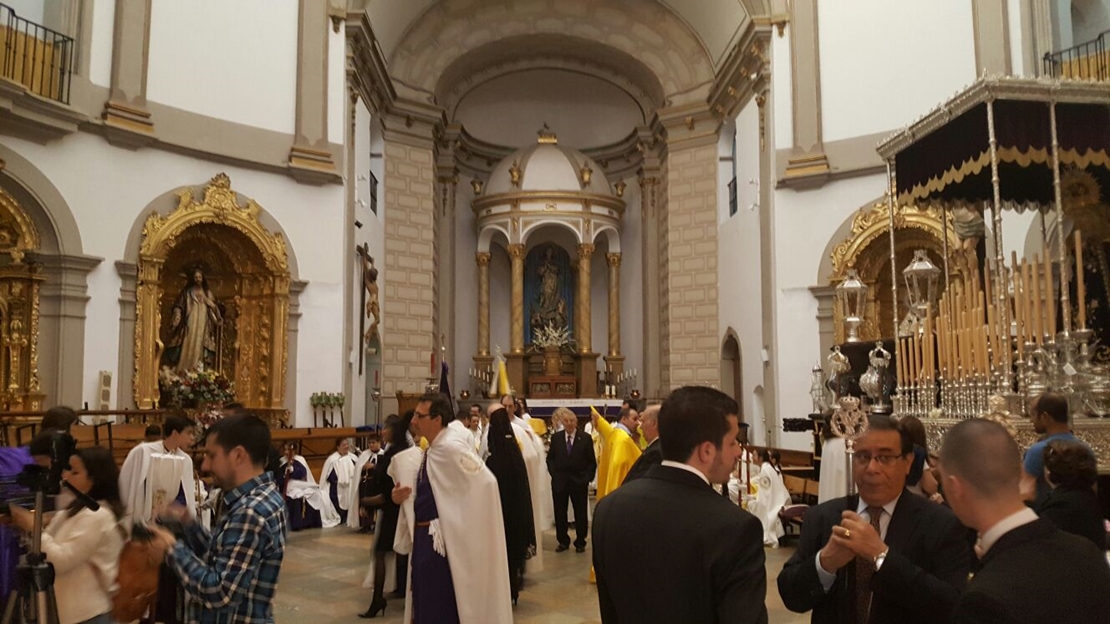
(852, 295)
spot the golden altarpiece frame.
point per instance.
(867, 249)
(248, 271)
(20, 285)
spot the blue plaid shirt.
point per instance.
(231, 575)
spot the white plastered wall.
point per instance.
(100, 50)
(108, 188)
(229, 60)
(740, 288)
(868, 83)
(804, 222)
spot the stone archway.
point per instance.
(732, 371)
(230, 238)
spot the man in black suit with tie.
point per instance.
(704, 562)
(1030, 571)
(653, 453)
(571, 462)
(886, 555)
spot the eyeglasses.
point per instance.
(864, 459)
(420, 415)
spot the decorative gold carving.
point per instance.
(546, 136)
(515, 174)
(482, 258)
(17, 232)
(586, 174)
(619, 187)
(476, 185)
(874, 222)
(582, 298)
(226, 235)
(614, 259)
(516, 252)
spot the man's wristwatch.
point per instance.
(880, 558)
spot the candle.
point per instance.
(1016, 274)
(898, 357)
(983, 342)
(1080, 286)
(1049, 295)
(1038, 310)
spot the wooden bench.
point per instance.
(803, 494)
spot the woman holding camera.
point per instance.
(84, 545)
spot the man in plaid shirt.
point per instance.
(231, 575)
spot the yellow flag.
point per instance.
(502, 379)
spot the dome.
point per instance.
(547, 166)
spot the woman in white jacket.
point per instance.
(771, 496)
(84, 545)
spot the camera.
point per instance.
(58, 446)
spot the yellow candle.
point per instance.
(1080, 285)
(1049, 295)
(1038, 304)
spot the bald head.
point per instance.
(649, 423)
(982, 454)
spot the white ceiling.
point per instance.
(715, 22)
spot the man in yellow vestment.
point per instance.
(619, 452)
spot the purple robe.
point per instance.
(433, 590)
(299, 513)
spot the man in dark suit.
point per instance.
(1030, 571)
(886, 555)
(571, 462)
(653, 453)
(704, 562)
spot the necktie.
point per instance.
(864, 571)
(570, 443)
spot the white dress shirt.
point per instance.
(687, 468)
(1007, 524)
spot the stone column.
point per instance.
(482, 258)
(582, 299)
(310, 158)
(614, 360)
(585, 359)
(516, 336)
(614, 260)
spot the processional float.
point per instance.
(1008, 327)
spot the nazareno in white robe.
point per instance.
(312, 493)
(472, 528)
(346, 481)
(139, 495)
(539, 485)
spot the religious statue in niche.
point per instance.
(550, 308)
(370, 292)
(194, 329)
(971, 229)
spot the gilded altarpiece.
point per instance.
(247, 269)
(20, 282)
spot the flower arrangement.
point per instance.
(550, 336)
(327, 399)
(195, 388)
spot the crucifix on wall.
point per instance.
(368, 298)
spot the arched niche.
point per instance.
(732, 371)
(62, 280)
(254, 282)
(863, 244)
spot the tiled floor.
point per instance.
(321, 581)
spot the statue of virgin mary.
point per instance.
(194, 326)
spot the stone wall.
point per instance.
(688, 234)
(409, 298)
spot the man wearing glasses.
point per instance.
(886, 555)
(457, 574)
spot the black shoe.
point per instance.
(562, 547)
(579, 549)
(376, 607)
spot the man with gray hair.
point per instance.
(571, 462)
(1029, 570)
(653, 452)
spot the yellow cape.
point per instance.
(620, 452)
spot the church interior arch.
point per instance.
(732, 378)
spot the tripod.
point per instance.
(33, 598)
